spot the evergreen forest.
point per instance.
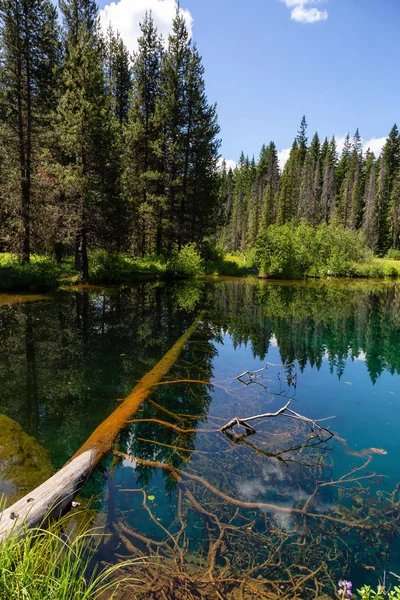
(354, 190)
(100, 149)
(104, 150)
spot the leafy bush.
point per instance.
(393, 254)
(41, 273)
(211, 251)
(225, 267)
(291, 251)
(113, 267)
(185, 263)
(367, 593)
(108, 267)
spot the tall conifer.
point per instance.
(28, 71)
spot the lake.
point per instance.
(283, 511)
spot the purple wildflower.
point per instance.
(345, 588)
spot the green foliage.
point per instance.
(393, 254)
(113, 267)
(211, 251)
(44, 565)
(40, 274)
(367, 593)
(291, 252)
(378, 268)
(185, 263)
(225, 267)
(187, 296)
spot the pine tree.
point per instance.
(309, 206)
(289, 187)
(86, 126)
(395, 212)
(370, 218)
(173, 115)
(324, 154)
(119, 74)
(302, 139)
(270, 200)
(200, 211)
(226, 201)
(341, 209)
(28, 82)
(145, 144)
(356, 183)
(388, 164)
(190, 143)
(391, 159)
(329, 189)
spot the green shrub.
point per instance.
(113, 267)
(393, 254)
(367, 593)
(108, 267)
(292, 251)
(185, 263)
(225, 267)
(211, 251)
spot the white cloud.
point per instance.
(340, 144)
(126, 15)
(375, 145)
(283, 157)
(301, 14)
(230, 164)
(293, 3)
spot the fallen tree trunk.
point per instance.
(55, 495)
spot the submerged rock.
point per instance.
(24, 463)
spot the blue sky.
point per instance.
(265, 69)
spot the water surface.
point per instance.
(221, 513)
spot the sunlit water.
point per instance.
(333, 348)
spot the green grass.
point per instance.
(41, 274)
(231, 265)
(110, 268)
(44, 274)
(47, 566)
(378, 268)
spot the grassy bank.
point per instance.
(378, 268)
(44, 274)
(47, 564)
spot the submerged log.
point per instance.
(56, 494)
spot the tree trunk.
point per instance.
(81, 253)
(55, 495)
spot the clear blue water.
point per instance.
(65, 361)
